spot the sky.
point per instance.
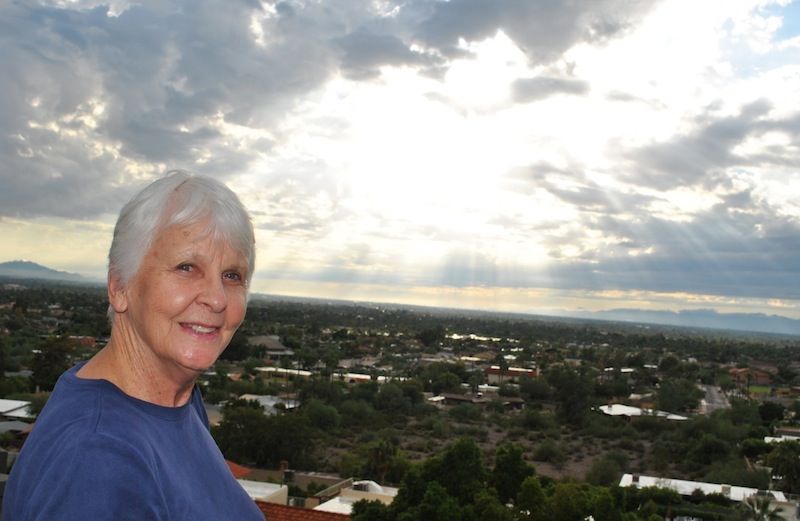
(541, 156)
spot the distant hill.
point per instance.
(703, 318)
(20, 269)
(700, 320)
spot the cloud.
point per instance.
(543, 30)
(364, 52)
(534, 89)
(98, 95)
(703, 155)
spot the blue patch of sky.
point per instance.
(791, 19)
(747, 63)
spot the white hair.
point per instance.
(178, 198)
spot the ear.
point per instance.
(117, 294)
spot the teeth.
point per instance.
(201, 329)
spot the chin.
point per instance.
(199, 362)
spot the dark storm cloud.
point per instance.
(534, 89)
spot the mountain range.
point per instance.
(22, 269)
(691, 318)
(701, 318)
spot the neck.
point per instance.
(137, 371)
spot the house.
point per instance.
(354, 378)
(288, 374)
(455, 399)
(356, 491)
(271, 404)
(238, 471)
(629, 412)
(266, 492)
(686, 488)
(745, 376)
(495, 375)
(15, 409)
(275, 512)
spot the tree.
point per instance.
(757, 508)
(678, 394)
(431, 337)
(238, 348)
(380, 455)
(459, 470)
(770, 412)
(322, 416)
(573, 393)
(487, 507)
(390, 398)
(239, 434)
(364, 510)
(52, 359)
(783, 460)
(569, 502)
(510, 470)
(531, 500)
(438, 505)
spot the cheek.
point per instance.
(237, 307)
(172, 300)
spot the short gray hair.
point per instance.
(178, 198)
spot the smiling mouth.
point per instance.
(201, 330)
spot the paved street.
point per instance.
(714, 399)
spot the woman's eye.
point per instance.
(233, 276)
(185, 267)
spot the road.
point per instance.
(714, 399)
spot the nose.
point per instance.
(213, 294)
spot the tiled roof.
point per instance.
(275, 512)
(237, 470)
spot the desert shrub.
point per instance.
(551, 452)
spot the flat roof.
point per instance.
(15, 408)
(685, 487)
(259, 489)
(617, 409)
(337, 505)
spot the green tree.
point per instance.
(677, 395)
(459, 470)
(510, 470)
(783, 460)
(771, 412)
(431, 337)
(322, 416)
(239, 434)
(531, 500)
(488, 507)
(438, 505)
(573, 392)
(390, 398)
(51, 360)
(238, 348)
(569, 502)
(365, 510)
(380, 455)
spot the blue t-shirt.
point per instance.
(96, 453)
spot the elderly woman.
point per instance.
(124, 435)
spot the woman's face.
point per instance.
(187, 299)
